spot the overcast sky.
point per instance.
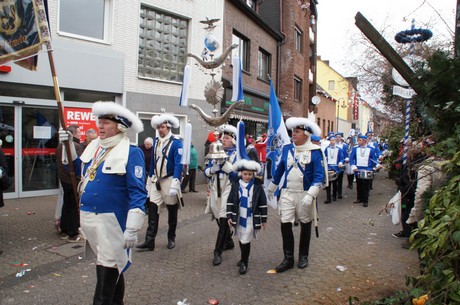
(336, 22)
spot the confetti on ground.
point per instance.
(56, 274)
(22, 272)
(271, 271)
(30, 213)
(213, 302)
(341, 268)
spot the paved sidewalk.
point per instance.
(352, 236)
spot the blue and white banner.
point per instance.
(237, 80)
(183, 102)
(277, 138)
(240, 147)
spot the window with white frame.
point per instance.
(298, 39)
(86, 19)
(242, 51)
(331, 85)
(264, 65)
(162, 45)
(297, 89)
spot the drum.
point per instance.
(332, 175)
(363, 174)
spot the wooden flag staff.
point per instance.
(57, 93)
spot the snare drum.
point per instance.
(332, 175)
(363, 174)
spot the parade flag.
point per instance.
(187, 144)
(237, 80)
(240, 147)
(277, 138)
(183, 102)
(24, 28)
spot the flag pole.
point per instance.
(57, 93)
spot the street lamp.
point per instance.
(344, 105)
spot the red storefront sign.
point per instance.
(82, 117)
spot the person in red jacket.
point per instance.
(261, 147)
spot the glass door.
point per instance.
(39, 139)
(7, 136)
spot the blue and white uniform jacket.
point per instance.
(112, 192)
(172, 166)
(335, 158)
(313, 171)
(114, 185)
(364, 158)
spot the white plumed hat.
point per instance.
(118, 114)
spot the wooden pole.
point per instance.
(386, 50)
(57, 93)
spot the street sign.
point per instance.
(407, 93)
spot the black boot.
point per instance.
(106, 285)
(172, 223)
(221, 235)
(152, 228)
(245, 250)
(304, 244)
(119, 291)
(228, 241)
(288, 248)
(328, 193)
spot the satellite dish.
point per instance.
(315, 100)
(409, 59)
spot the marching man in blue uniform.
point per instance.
(335, 159)
(163, 182)
(363, 161)
(112, 196)
(220, 175)
(303, 165)
(345, 149)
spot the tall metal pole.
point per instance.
(457, 31)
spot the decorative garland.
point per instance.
(413, 35)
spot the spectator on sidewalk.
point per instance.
(90, 135)
(261, 147)
(251, 150)
(70, 217)
(113, 195)
(246, 207)
(190, 176)
(147, 150)
(407, 183)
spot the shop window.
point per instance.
(162, 45)
(86, 19)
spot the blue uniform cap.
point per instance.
(362, 137)
(315, 138)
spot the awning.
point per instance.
(253, 117)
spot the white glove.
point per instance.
(64, 135)
(130, 237)
(271, 189)
(227, 167)
(133, 224)
(312, 193)
(174, 189)
(215, 167)
(173, 192)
